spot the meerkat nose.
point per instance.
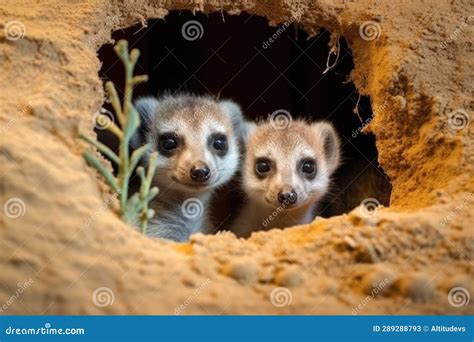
(200, 172)
(287, 196)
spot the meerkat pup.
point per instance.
(285, 173)
(197, 140)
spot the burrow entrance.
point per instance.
(264, 69)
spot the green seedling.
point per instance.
(133, 208)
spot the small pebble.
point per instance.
(350, 242)
(244, 271)
(377, 282)
(289, 277)
(418, 288)
(366, 253)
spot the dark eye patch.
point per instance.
(263, 167)
(308, 167)
(168, 143)
(219, 144)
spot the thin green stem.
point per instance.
(102, 148)
(101, 168)
(135, 207)
(115, 101)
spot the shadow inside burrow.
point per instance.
(264, 69)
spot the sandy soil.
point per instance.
(77, 257)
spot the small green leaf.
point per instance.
(137, 155)
(101, 147)
(131, 123)
(101, 168)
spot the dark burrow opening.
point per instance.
(264, 69)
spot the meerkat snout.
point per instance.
(287, 196)
(286, 172)
(200, 172)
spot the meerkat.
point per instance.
(285, 173)
(197, 140)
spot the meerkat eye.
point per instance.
(167, 143)
(219, 143)
(308, 166)
(262, 167)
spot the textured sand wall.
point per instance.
(68, 252)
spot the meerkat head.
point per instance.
(197, 140)
(291, 167)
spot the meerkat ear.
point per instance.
(249, 128)
(146, 108)
(331, 143)
(234, 112)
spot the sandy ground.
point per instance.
(64, 251)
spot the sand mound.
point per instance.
(60, 236)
